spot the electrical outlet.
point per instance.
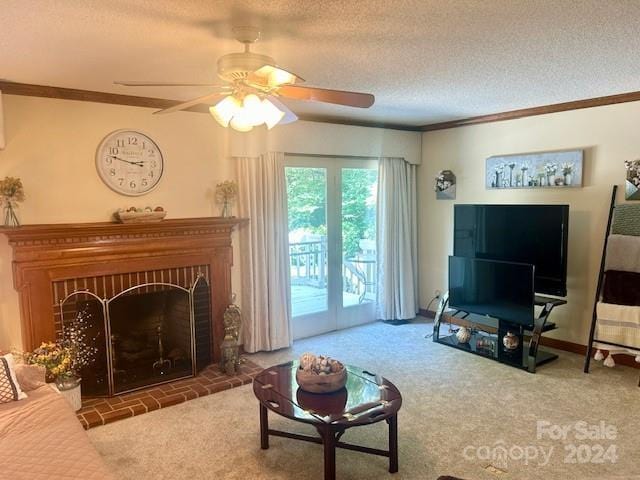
(437, 293)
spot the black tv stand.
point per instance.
(488, 343)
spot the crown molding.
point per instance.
(31, 90)
(27, 89)
(530, 112)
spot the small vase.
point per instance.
(67, 382)
(70, 388)
(226, 209)
(10, 217)
(567, 179)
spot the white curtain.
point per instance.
(397, 240)
(264, 250)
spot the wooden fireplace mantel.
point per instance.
(43, 254)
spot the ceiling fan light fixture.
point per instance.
(242, 121)
(271, 114)
(253, 110)
(276, 76)
(225, 110)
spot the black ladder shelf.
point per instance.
(601, 278)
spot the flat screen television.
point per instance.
(499, 289)
(536, 234)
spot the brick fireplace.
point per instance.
(155, 292)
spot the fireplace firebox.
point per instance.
(145, 335)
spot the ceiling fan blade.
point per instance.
(273, 76)
(339, 97)
(134, 83)
(289, 116)
(190, 103)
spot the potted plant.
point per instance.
(497, 171)
(567, 170)
(64, 358)
(550, 170)
(11, 193)
(55, 358)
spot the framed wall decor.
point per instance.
(445, 185)
(561, 169)
(632, 184)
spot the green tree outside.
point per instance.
(306, 194)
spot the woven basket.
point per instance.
(314, 383)
(139, 217)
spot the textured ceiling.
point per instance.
(426, 61)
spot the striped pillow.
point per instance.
(9, 388)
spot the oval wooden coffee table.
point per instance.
(366, 399)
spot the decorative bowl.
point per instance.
(139, 217)
(327, 383)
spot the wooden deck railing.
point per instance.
(308, 263)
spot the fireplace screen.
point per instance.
(151, 336)
(143, 336)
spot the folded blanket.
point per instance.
(626, 219)
(623, 253)
(618, 324)
(621, 288)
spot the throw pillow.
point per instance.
(9, 387)
(30, 377)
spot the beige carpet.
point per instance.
(454, 404)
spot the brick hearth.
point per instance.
(100, 411)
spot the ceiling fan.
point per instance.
(254, 84)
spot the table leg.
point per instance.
(393, 443)
(329, 443)
(264, 427)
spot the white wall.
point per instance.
(609, 136)
(50, 145)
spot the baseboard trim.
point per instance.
(564, 345)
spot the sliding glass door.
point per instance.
(332, 242)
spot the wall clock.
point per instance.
(129, 162)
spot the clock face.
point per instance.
(129, 162)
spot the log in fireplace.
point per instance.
(154, 294)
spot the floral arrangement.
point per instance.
(53, 356)
(226, 191)
(442, 182)
(11, 192)
(550, 169)
(76, 338)
(67, 356)
(567, 168)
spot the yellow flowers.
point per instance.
(11, 189)
(53, 356)
(226, 191)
